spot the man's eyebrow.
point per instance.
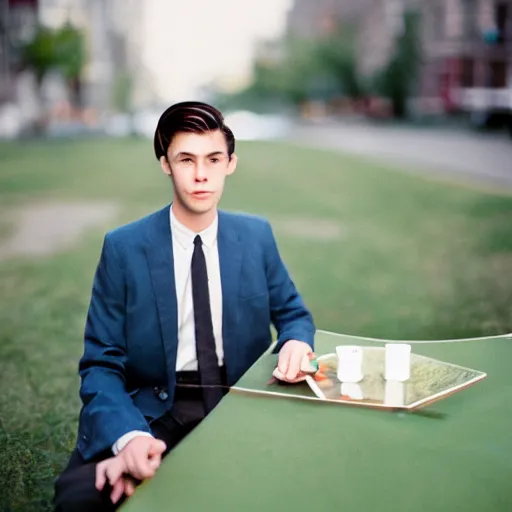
(183, 153)
(187, 154)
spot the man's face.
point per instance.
(198, 165)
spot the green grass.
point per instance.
(413, 259)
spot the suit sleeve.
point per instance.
(108, 411)
(289, 314)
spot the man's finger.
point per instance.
(300, 378)
(129, 486)
(284, 360)
(117, 491)
(156, 450)
(100, 475)
(115, 470)
(155, 461)
(294, 364)
(131, 465)
(305, 364)
(157, 447)
(143, 468)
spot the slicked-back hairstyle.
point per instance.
(192, 117)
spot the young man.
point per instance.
(181, 307)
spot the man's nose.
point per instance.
(200, 173)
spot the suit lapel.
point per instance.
(159, 254)
(160, 258)
(230, 261)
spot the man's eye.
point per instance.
(214, 160)
(186, 160)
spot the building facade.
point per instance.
(18, 21)
(466, 45)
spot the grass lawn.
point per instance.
(373, 251)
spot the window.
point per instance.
(498, 74)
(502, 22)
(467, 78)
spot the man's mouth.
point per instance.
(202, 193)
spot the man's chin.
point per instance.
(202, 207)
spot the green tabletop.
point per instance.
(270, 453)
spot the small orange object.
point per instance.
(320, 376)
(322, 367)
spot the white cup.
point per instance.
(350, 362)
(352, 390)
(398, 361)
(394, 394)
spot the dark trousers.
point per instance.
(75, 488)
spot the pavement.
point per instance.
(480, 158)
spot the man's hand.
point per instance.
(112, 470)
(139, 459)
(291, 357)
(142, 456)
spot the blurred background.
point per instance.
(110, 66)
(375, 135)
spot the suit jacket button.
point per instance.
(161, 393)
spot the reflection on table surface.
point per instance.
(430, 380)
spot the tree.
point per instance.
(337, 58)
(308, 69)
(121, 98)
(398, 78)
(318, 69)
(70, 56)
(62, 50)
(292, 78)
(39, 54)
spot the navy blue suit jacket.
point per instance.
(128, 366)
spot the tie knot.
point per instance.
(197, 241)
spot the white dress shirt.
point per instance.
(183, 248)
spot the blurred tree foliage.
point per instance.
(70, 57)
(291, 78)
(62, 50)
(337, 56)
(318, 69)
(326, 68)
(39, 54)
(396, 81)
(121, 98)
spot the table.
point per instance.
(257, 453)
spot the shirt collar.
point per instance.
(185, 236)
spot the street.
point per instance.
(481, 158)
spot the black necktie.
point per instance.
(205, 341)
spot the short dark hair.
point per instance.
(189, 116)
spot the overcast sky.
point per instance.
(195, 41)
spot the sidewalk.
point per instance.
(484, 159)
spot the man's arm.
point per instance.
(108, 411)
(289, 314)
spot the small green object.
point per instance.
(312, 367)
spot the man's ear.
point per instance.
(232, 164)
(164, 164)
